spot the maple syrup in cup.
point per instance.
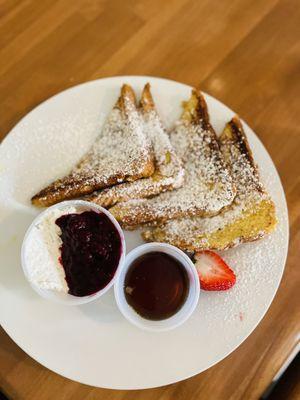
(156, 285)
(157, 288)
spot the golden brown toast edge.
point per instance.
(195, 110)
(146, 102)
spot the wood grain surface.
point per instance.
(245, 53)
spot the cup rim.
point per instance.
(66, 298)
(182, 314)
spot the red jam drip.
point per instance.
(90, 251)
(156, 285)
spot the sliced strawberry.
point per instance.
(214, 273)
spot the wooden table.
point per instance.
(244, 52)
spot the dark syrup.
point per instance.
(90, 251)
(156, 285)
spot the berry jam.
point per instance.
(90, 251)
(156, 286)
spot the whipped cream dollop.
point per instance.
(42, 252)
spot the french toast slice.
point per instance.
(250, 217)
(121, 152)
(168, 174)
(207, 186)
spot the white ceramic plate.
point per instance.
(94, 343)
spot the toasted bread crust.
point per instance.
(195, 110)
(233, 134)
(126, 100)
(92, 172)
(236, 234)
(146, 103)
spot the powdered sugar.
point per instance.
(168, 173)
(167, 161)
(121, 149)
(252, 274)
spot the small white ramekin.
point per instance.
(66, 298)
(185, 311)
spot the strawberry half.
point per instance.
(214, 273)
